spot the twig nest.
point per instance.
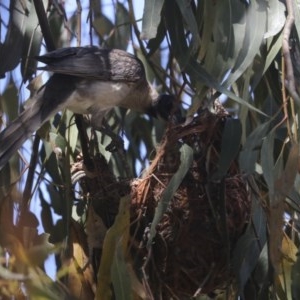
(190, 251)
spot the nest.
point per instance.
(190, 253)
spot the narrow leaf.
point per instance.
(231, 139)
(11, 49)
(120, 275)
(267, 160)
(186, 158)
(189, 17)
(276, 18)
(151, 18)
(113, 236)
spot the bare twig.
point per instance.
(290, 79)
(43, 20)
(29, 182)
(79, 11)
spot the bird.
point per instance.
(86, 80)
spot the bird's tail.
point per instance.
(16, 133)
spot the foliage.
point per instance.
(240, 52)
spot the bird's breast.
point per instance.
(98, 95)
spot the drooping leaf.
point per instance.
(248, 248)
(154, 43)
(116, 234)
(32, 43)
(120, 274)
(276, 18)
(151, 18)
(249, 46)
(121, 32)
(267, 160)
(189, 18)
(102, 25)
(9, 102)
(11, 49)
(231, 141)
(249, 153)
(186, 158)
(189, 64)
(296, 278)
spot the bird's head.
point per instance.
(166, 107)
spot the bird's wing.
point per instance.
(94, 63)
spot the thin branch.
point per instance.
(290, 79)
(30, 177)
(79, 11)
(42, 17)
(43, 20)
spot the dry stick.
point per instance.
(290, 84)
(288, 79)
(79, 11)
(284, 100)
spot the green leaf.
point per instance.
(250, 151)
(102, 25)
(186, 159)
(231, 142)
(121, 33)
(189, 64)
(154, 43)
(9, 101)
(248, 248)
(296, 278)
(267, 160)
(276, 18)
(11, 49)
(32, 43)
(151, 18)
(116, 236)
(189, 18)
(120, 275)
(251, 37)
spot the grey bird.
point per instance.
(85, 80)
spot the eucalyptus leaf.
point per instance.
(32, 43)
(276, 18)
(9, 102)
(230, 145)
(267, 160)
(296, 278)
(102, 25)
(151, 18)
(154, 43)
(255, 19)
(250, 151)
(248, 248)
(189, 64)
(121, 32)
(116, 236)
(120, 275)
(11, 49)
(189, 17)
(186, 159)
